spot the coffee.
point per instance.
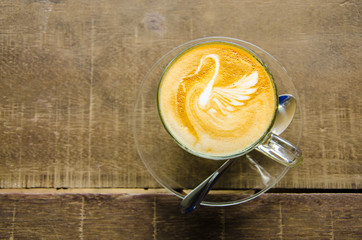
(217, 99)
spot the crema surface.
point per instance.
(216, 99)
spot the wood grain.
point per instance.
(156, 216)
(69, 73)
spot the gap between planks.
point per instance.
(157, 191)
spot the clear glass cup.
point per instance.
(179, 171)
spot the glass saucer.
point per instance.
(179, 171)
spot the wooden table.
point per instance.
(69, 74)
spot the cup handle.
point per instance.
(281, 150)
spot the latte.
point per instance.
(217, 99)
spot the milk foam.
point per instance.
(222, 106)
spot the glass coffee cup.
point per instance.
(218, 100)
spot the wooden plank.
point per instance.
(156, 216)
(70, 70)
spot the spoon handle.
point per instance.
(194, 198)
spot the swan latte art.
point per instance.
(217, 100)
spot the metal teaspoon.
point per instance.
(286, 110)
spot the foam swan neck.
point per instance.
(205, 95)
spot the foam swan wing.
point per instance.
(228, 98)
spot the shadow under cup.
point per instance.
(178, 170)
